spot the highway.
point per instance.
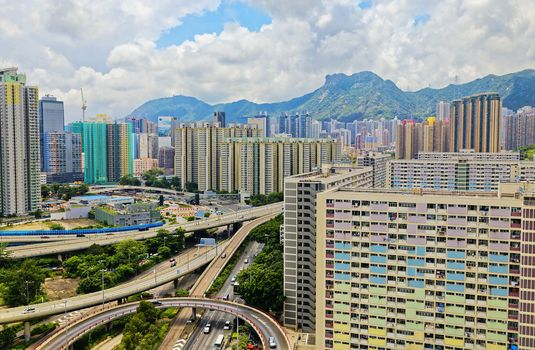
(123, 290)
(57, 247)
(217, 319)
(264, 325)
(206, 279)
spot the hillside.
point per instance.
(358, 96)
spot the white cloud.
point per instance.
(109, 47)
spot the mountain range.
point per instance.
(363, 95)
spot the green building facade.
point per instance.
(94, 146)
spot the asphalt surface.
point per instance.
(263, 323)
(199, 340)
(123, 290)
(57, 247)
(205, 281)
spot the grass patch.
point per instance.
(169, 313)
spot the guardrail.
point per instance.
(239, 310)
(88, 231)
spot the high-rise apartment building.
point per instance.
(63, 157)
(219, 117)
(442, 110)
(519, 128)
(166, 160)
(463, 171)
(198, 152)
(426, 270)
(20, 190)
(95, 148)
(141, 166)
(429, 136)
(119, 151)
(378, 162)
(259, 165)
(297, 125)
(300, 237)
(475, 123)
(147, 146)
(51, 119)
(262, 123)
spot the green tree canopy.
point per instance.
(22, 284)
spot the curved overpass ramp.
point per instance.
(263, 324)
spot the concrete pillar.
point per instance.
(60, 257)
(27, 331)
(175, 283)
(194, 316)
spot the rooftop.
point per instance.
(330, 172)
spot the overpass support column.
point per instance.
(60, 257)
(27, 331)
(175, 283)
(194, 311)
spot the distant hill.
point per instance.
(358, 96)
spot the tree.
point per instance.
(164, 251)
(4, 254)
(176, 183)
(131, 250)
(22, 284)
(261, 284)
(191, 187)
(141, 331)
(128, 180)
(7, 337)
(93, 283)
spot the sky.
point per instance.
(123, 53)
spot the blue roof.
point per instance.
(93, 197)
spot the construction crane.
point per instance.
(84, 104)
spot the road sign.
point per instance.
(207, 242)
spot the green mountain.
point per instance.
(358, 96)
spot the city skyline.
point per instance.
(148, 41)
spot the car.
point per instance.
(223, 256)
(233, 279)
(173, 264)
(272, 343)
(207, 328)
(172, 259)
(29, 310)
(246, 260)
(156, 303)
(80, 235)
(226, 297)
(227, 325)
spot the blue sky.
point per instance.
(214, 21)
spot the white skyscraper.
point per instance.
(20, 190)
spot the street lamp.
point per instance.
(102, 274)
(27, 292)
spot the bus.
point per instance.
(219, 341)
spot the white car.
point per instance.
(207, 328)
(272, 343)
(227, 325)
(29, 310)
(233, 279)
